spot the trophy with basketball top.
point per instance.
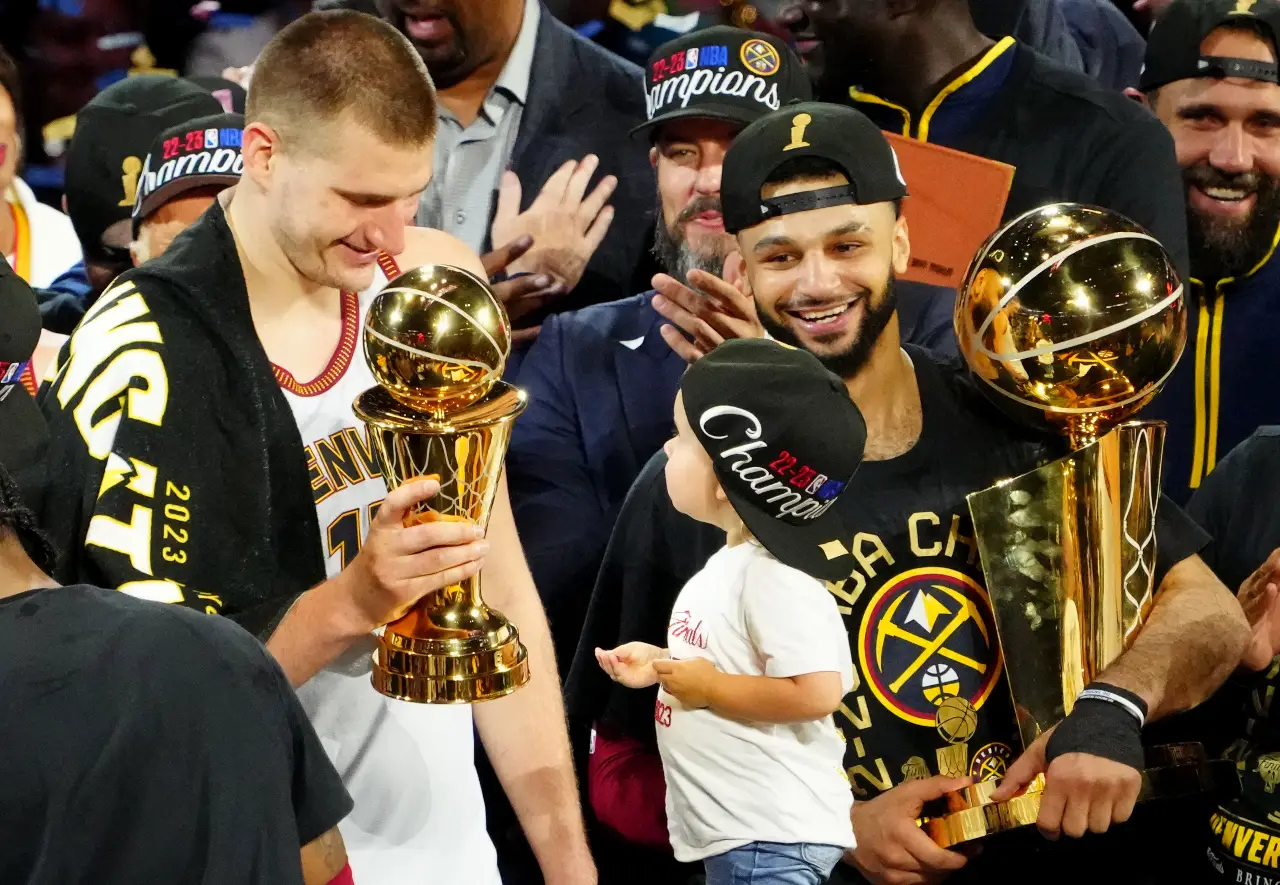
(1071, 317)
(437, 339)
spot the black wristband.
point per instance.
(1101, 727)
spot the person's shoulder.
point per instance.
(1259, 449)
(587, 53)
(426, 245)
(622, 320)
(185, 638)
(969, 407)
(1060, 92)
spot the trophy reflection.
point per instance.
(1071, 318)
(436, 339)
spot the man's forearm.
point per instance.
(1191, 642)
(525, 733)
(312, 633)
(528, 743)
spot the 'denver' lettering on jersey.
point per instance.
(344, 458)
(926, 635)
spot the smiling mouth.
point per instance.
(822, 314)
(1226, 194)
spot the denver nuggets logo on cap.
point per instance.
(928, 638)
(760, 58)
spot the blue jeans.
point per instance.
(773, 863)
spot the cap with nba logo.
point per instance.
(204, 152)
(784, 438)
(840, 135)
(104, 160)
(721, 73)
(1173, 47)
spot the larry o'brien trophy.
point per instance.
(436, 339)
(1071, 317)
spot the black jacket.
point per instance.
(584, 100)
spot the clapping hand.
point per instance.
(566, 223)
(703, 319)
(1260, 598)
(521, 294)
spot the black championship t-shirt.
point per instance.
(149, 743)
(1239, 505)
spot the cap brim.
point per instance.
(702, 112)
(177, 187)
(799, 546)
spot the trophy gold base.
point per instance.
(1174, 770)
(428, 671)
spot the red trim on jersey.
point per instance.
(388, 265)
(340, 360)
(343, 878)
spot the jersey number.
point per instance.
(345, 533)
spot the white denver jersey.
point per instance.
(419, 816)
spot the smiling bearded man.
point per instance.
(1210, 77)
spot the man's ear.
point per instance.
(259, 146)
(1138, 96)
(901, 246)
(653, 157)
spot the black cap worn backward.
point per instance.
(784, 438)
(1173, 46)
(721, 73)
(841, 135)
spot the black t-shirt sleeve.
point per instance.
(320, 800)
(1178, 537)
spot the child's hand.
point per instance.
(690, 680)
(631, 664)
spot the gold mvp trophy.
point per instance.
(1071, 318)
(436, 339)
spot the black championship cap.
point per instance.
(199, 153)
(721, 73)
(113, 132)
(785, 439)
(1173, 47)
(845, 137)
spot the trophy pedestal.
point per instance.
(431, 671)
(1173, 771)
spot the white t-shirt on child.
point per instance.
(730, 783)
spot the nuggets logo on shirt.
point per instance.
(927, 635)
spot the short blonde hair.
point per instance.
(328, 63)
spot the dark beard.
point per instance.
(851, 361)
(672, 249)
(1221, 249)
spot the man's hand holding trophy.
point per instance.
(1071, 318)
(437, 339)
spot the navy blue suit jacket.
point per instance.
(601, 385)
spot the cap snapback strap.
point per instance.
(841, 195)
(1219, 66)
